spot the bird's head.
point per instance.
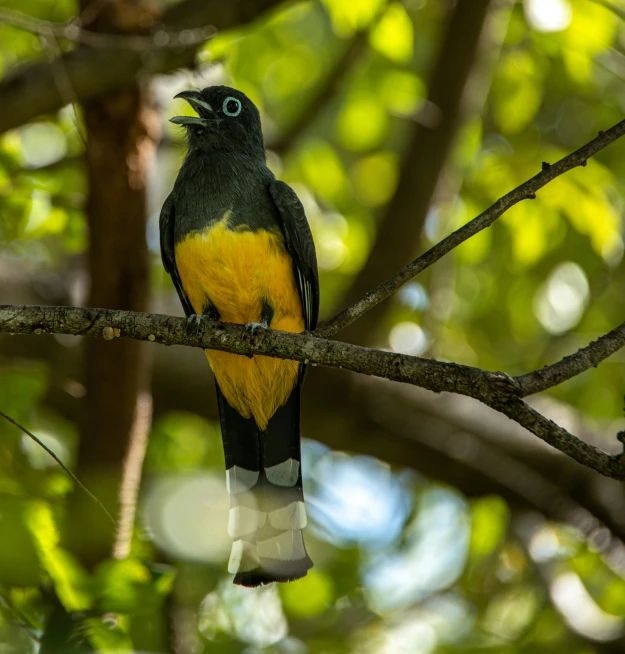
(226, 120)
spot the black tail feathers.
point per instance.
(264, 479)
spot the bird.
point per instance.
(239, 249)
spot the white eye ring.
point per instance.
(225, 106)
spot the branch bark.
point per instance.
(497, 390)
(32, 90)
(574, 364)
(451, 438)
(526, 191)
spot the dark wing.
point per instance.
(301, 247)
(166, 228)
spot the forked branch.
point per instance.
(495, 389)
(526, 191)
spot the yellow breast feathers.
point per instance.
(237, 271)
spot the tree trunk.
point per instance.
(121, 129)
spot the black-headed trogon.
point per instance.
(239, 249)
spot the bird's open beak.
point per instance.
(204, 110)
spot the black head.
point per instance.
(227, 120)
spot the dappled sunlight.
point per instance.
(560, 302)
(432, 556)
(581, 611)
(435, 524)
(414, 296)
(186, 515)
(356, 499)
(408, 338)
(254, 616)
(42, 144)
(548, 15)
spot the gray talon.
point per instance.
(194, 323)
(253, 327)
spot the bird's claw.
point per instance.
(194, 324)
(253, 327)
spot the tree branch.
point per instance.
(72, 31)
(573, 364)
(496, 390)
(526, 191)
(61, 464)
(108, 324)
(31, 90)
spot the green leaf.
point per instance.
(489, 521)
(375, 178)
(309, 596)
(323, 169)
(107, 636)
(393, 36)
(362, 122)
(350, 16)
(129, 586)
(70, 580)
(517, 92)
(19, 562)
(21, 387)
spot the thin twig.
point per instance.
(574, 364)
(56, 458)
(52, 50)
(526, 191)
(29, 91)
(497, 390)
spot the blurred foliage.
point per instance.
(402, 564)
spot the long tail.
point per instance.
(264, 479)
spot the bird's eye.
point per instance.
(231, 106)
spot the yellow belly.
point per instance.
(236, 271)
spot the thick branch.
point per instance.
(72, 31)
(496, 390)
(31, 91)
(436, 376)
(526, 191)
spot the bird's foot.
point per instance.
(253, 327)
(194, 324)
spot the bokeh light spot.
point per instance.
(548, 15)
(408, 338)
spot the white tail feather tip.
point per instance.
(288, 546)
(244, 520)
(292, 516)
(243, 557)
(283, 474)
(239, 479)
